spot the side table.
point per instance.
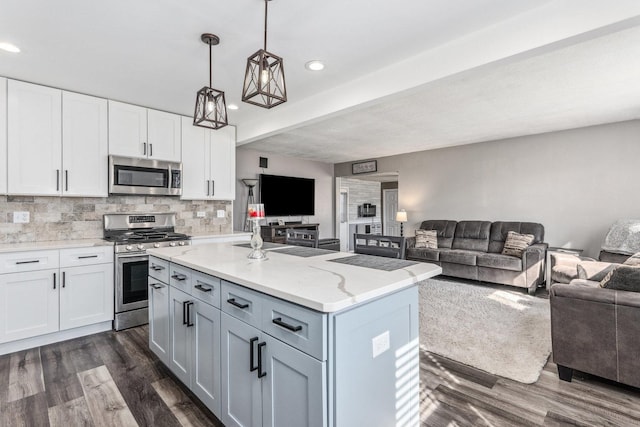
(547, 266)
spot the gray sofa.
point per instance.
(472, 250)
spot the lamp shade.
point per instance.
(401, 216)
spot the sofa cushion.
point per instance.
(423, 254)
(594, 270)
(457, 256)
(499, 261)
(426, 239)
(500, 230)
(563, 273)
(445, 230)
(623, 278)
(472, 235)
(633, 260)
(516, 243)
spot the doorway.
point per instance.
(390, 227)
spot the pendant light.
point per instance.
(211, 110)
(264, 79)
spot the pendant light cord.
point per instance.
(210, 68)
(266, 3)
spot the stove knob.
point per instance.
(156, 245)
(129, 247)
(172, 244)
(140, 246)
(181, 243)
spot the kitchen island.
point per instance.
(305, 337)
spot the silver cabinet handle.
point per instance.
(57, 179)
(213, 187)
(66, 180)
(156, 286)
(208, 187)
(144, 148)
(151, 150)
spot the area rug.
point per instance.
(497, 329)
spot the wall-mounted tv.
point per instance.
(287, 195)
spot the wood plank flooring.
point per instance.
(113, 379)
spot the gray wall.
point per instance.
(576, 182)
(247, 166)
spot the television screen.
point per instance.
(287, 195)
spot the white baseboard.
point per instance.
(13, 346)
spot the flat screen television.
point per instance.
(287, 195)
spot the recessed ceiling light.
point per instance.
(315, 65)
(232, 107)
(9, 47)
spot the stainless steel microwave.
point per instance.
(129, 175)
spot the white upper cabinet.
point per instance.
(34, 139)
(140, 132)
(3, 135)
(84, 145)
(208, 162)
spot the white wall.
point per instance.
(247, 166)
(576, 182)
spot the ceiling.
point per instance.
(400, 76)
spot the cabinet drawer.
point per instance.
(241, 303)
(180, 277)
(86, 256)
(16, 262)
(206, 288)
(159, 269)
(299, 327)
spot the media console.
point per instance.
(278, 233)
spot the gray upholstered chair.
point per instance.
(387, 246)
(301, 237)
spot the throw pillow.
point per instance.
(427, 239)
(633, 260)
(516, 243)
(623, 278)
(594, 270)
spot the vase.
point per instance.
(256, 241)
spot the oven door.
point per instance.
(131, 282)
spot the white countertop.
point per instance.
(312, 282)
(222, 236)
(52, 244)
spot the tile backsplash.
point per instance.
(67, 218)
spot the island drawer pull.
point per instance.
(233, 301)
(261, 373)
(28, 262)
(189, 304)
(251, 358)
(184, 312)
(156, 267)
(285, 325)
(88, 256)
(156, 286)
(179, 277)
(202, 288)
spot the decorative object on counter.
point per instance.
(401, 217)
(255, 212)
(364, 167)
(211, 109)
(250, 200)
(264, 84)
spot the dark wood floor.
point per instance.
(112, 379)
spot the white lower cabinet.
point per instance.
(86, 295)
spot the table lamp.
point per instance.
(401, 217)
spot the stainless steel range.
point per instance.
(133, 234)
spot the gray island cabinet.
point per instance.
(290, 340)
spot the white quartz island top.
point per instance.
(313, 282)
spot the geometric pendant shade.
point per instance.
(264, 83)
(211, 108)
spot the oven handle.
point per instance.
(143, 257)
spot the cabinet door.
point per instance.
(34, 139)
(195, 161)
(3, 135)
(294, 389)
(241, 389)
(159, 319)
(86, 295)
(84, 145)
(127, 130)
(205, 372)
(163, 130)
(28, 304)
(179, 334)
(223, 163)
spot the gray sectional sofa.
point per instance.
(472, 250)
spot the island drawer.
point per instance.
(17, 262)
(242, 303)
(86, 256)
(295, 325)
(180, 277)
(159, 269)
(206, 288)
